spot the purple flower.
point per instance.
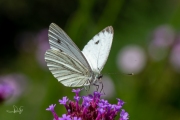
(120, 102)
(124, 115)
(76, 118)
(76, 91)
(175, 57)
(51, 107)
(87, 98)
(5, 91)
(64, 100)
(65, 117)
(97, 95)
(11, 87)
(117, 107)
(42, 43)
(91, 108)
(77, 98)
(101, 110)
(104, 101)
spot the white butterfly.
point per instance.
(72, 67)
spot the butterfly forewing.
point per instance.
(97, 49)
(69, 71)
(59, 40)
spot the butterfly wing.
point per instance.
(59, 40)
(97, 49)
(69, 71)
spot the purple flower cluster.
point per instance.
(91, 108)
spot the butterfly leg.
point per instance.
(97, 87)
(102, 88)
(85, 88)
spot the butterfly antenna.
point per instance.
(130, 74)
(112, 73)
(125, 73)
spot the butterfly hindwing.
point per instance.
(69, 71)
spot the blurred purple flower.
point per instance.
(163, 38)
(131, 59)
(175, 57)
(91, 108)
(124, 115)
(11, 87)
(42, 45)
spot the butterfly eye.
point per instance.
(100, 76)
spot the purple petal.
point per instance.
(76, 91)
(97, 95)
(118, 107)
(124, 115)
(101, 110)
(77, 98)
(100, 104)
(120, 102)
(86, 104)
(104, 101)
(64, 100)
(86, 99)
(51, 107)
(65, 117)
(76, 118)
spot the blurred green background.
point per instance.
(152, 93)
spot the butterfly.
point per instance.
(75, 68)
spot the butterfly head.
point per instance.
(98, 78)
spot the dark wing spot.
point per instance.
(59, 41)
(60, 50)
(97, 42)
(108, 29)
